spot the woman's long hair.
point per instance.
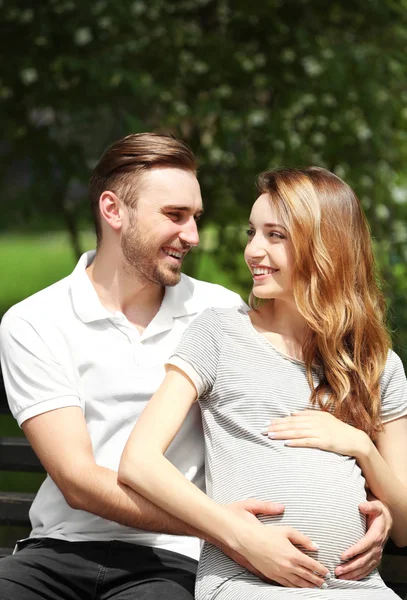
(336, 290)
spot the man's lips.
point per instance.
(174, 253)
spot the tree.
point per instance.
(248, 85)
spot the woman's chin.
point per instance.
(262, 294)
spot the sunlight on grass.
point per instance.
(29, 263)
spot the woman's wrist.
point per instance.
(232, 533)
(363, 447)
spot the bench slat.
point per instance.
(15, 507)
(16, 454)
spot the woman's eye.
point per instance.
(275, 234)
(249, 232)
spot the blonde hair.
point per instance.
(336, 290)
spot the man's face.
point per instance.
(161, 228)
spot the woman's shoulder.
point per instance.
(393, 383)
(393, 368)
(222, 314)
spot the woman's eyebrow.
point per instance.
(271, 225)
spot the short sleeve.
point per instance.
(34, 381)
(393, 389)
(197, 354)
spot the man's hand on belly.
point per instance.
(366, 554)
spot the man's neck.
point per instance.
(118, 291)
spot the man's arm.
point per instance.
(61, 441)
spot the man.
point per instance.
(81, 359)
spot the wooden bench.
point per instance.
(17, 455)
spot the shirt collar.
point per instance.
(178, 301)
(85, 300)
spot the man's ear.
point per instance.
(111, 210)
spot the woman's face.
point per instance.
(269, 252)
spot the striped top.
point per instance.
(244, 381)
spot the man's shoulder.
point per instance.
(40, 305)
(207, 295)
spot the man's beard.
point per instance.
(141, 259)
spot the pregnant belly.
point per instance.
(321, 492)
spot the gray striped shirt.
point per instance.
(244, 381)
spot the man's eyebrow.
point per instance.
(178, 208)
(271, 225)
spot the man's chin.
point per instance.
(170, 278)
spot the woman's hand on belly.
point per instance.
(319, 429)
(271, 551)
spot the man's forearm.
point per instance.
(99, 492)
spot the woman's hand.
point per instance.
(272, 551)
(319, 429)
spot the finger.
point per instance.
(287, 434)
(283, 581)
(305, 442)
(359, 562)
(288, 423)
(257, 507)
(366, 544)
(371, 508)
(284, 421)
(313, 566)
(312, 578)
(358, 574)
(296, 537)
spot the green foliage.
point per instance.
(248, 85)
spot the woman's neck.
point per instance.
(282, 324)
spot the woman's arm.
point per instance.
(384, 467)
(144, 468)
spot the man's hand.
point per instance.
(366, 554)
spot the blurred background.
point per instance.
(248, 84)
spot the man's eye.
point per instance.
(175, 216)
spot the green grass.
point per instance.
(32, 262)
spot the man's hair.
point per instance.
(120, 166)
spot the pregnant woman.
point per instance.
(302, 402)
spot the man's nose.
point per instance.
(189, 233)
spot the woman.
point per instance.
(313, 355)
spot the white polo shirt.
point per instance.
(61, 347)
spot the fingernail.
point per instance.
(287, 442)
(339, 571)
(315, 546)
(264, 431)
(267, 423)
(327, 576)
(271, 434)
(324, 586)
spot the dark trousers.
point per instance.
(49, 569)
